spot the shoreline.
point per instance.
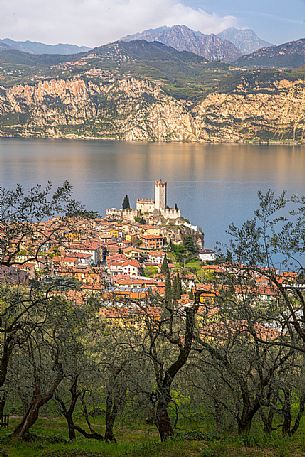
(139, 142)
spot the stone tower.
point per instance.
(160, 195)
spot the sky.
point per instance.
(96, 22)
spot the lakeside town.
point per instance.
(128, 255)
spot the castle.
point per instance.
(156, 207)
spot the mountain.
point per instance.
(3, 46)
(147, 91)
(287, 55)
(180, 37)
(183, 74)
(34, 47)
(14, 57)
(144, 51)
(132, 109)
(245, 40)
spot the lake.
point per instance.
(213, 185)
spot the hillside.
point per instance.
(104, 105)
(287, 55)
(182, 38)
(184, 74)
(35, 47)
(142, 91)
(246, 40)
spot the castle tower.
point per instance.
(160, 195)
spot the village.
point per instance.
(128, 256)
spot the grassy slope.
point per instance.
(142, 441)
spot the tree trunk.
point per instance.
(245, 422)
(163, 421)
(286, 411)
(29, 419)
(7, 350)
(218, 416)
(71, 428)
(109, 435)
(115, 400)
(69, 411)
(111, 413)
(2, 404)
(38, 400)
(267, 420)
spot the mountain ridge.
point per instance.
(182, 38)
(246, 40)
(286, 55)
(38, 48)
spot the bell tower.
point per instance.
(160, 195)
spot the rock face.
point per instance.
(131, 109)
(180, 37)
(291, 54)
(245, 40)
(126, 109)
(264, 114)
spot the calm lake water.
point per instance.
(212, 184)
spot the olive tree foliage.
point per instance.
(261, 313)
(34, 224)
(81, 375)
(44, 360)
(165, 343)
(24, 238)
(236, 375)
(268, 244)
(120, 367)
(22, 220)
(250, 337)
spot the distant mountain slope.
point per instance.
(182, 38)
(183, 74)
(35, 47)
(14, 57)
(245, 40)
(3, 46)
(142, 50)
(287, 55)
(153, 60)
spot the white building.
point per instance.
(207, 255)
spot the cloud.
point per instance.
(94, 22)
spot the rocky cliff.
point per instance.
(126, 109)
(131, 109)
(263, 114)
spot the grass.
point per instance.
(136, 440)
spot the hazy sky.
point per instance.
(94, 22)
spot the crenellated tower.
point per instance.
(160, 195)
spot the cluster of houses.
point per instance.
(119, 258)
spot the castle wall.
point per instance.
(171, 213)
(146, 206)
(130, 214)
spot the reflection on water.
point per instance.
(213, 184)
